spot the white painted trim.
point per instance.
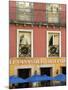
(47, 44)
(25, 30)
(59, 42)
(22, 67)
(48, 65)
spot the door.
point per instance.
(24, 73)
(48, 72)
(63, 71)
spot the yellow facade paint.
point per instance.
(35, 64)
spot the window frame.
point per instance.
(59, 43)
(52, 12)
(25, 30)
(28, 14)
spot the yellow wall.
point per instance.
(36, 63)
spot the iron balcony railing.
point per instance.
(37, 16)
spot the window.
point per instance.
(54, 44)
(24, 43)
(52, 13)
(24, 11)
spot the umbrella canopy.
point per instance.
(45, 77)
(34, 78)
(37, 78)
(15, 80)
(60, 77)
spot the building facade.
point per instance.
(37, 37)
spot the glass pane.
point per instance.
(52, 13)
(24, 17)
(21, 4)
(26, 37)
(53, 44)
(24, 44)
(52, 7)
(48, 7)
(53, 17)
(50, 39)
(24, 11)
(56, 39)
